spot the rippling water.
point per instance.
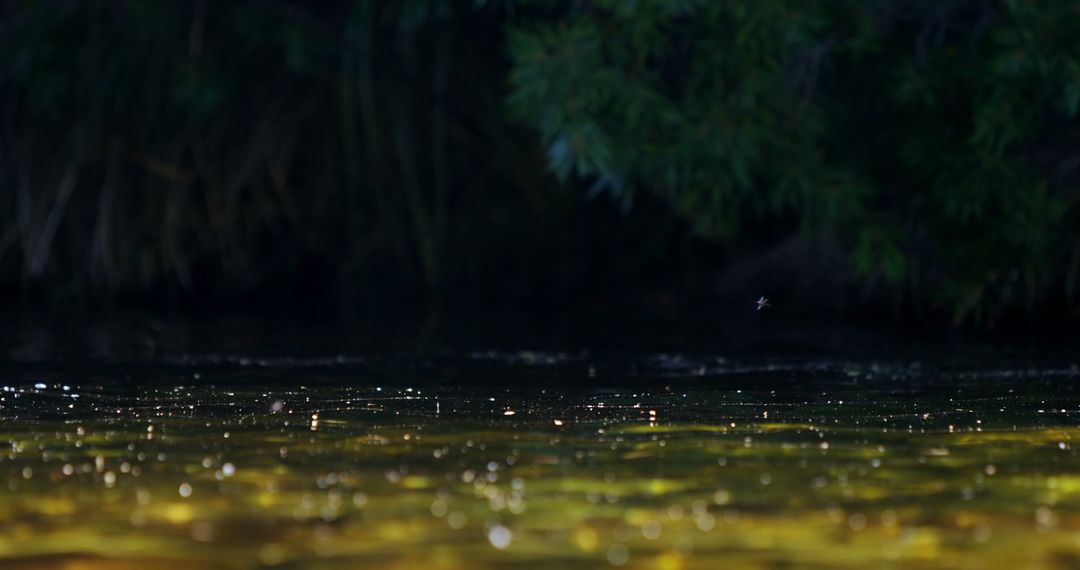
(539, 460)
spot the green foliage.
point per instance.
(192, 145)
(935, 139)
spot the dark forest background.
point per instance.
(878, 160)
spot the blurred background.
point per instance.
(884, 162)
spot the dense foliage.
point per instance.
(205, 146)
(936, 140)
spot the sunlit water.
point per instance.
(539, 460)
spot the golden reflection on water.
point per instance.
(338, 477)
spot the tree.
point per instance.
(935, 140)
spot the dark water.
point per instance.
(142, 455)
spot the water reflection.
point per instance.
(541, 460)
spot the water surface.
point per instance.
(540, 460)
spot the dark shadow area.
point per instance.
(653, 166)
